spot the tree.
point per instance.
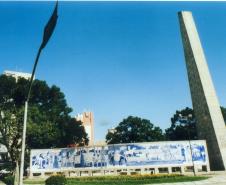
(11, 129)
(10, 119)
(223, 110)
(134, 129)
(183, 125)
(49, 121)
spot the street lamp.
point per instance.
(188, 122)
(49, 28)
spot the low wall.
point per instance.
(141, 158)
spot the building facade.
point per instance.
(17, 75)
(3, 154)
(87, 120)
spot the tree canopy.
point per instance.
(183, 125)
(134, 129)
(223, 110)
(49, 122)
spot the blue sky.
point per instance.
(115, 58)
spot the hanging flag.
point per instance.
(49, 28)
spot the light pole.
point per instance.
(188, 122)
(49, 28)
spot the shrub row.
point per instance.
(61, 180)
(8, 179)
(56, 180)
(125, 177)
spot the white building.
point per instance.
(17, 75)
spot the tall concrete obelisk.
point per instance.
(210, 122)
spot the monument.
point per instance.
(210, 122)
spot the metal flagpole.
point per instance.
(25, 121)
(23, 145)
(49, 28)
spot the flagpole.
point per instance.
(49, 28)
(33, 72)
(25, 120)
(23, 145)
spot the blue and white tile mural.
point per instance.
(136, 154)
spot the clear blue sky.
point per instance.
(114, 58)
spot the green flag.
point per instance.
(49, 28)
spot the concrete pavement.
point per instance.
(216, 178)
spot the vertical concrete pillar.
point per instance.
(182, 170)
(142, 171)
(170, 170)
(43, 175)
(156, 171)
(102, 172)
(115, 172)
(78, 173)
(90, 173)
(196, 169)
(210, 122)
(31, 175)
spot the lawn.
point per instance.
(126, 180)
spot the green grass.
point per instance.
(34, 181)
(126, 180)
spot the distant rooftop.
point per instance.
(17, 75)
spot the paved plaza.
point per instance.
(217, 178)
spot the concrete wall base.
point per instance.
(186, 170)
